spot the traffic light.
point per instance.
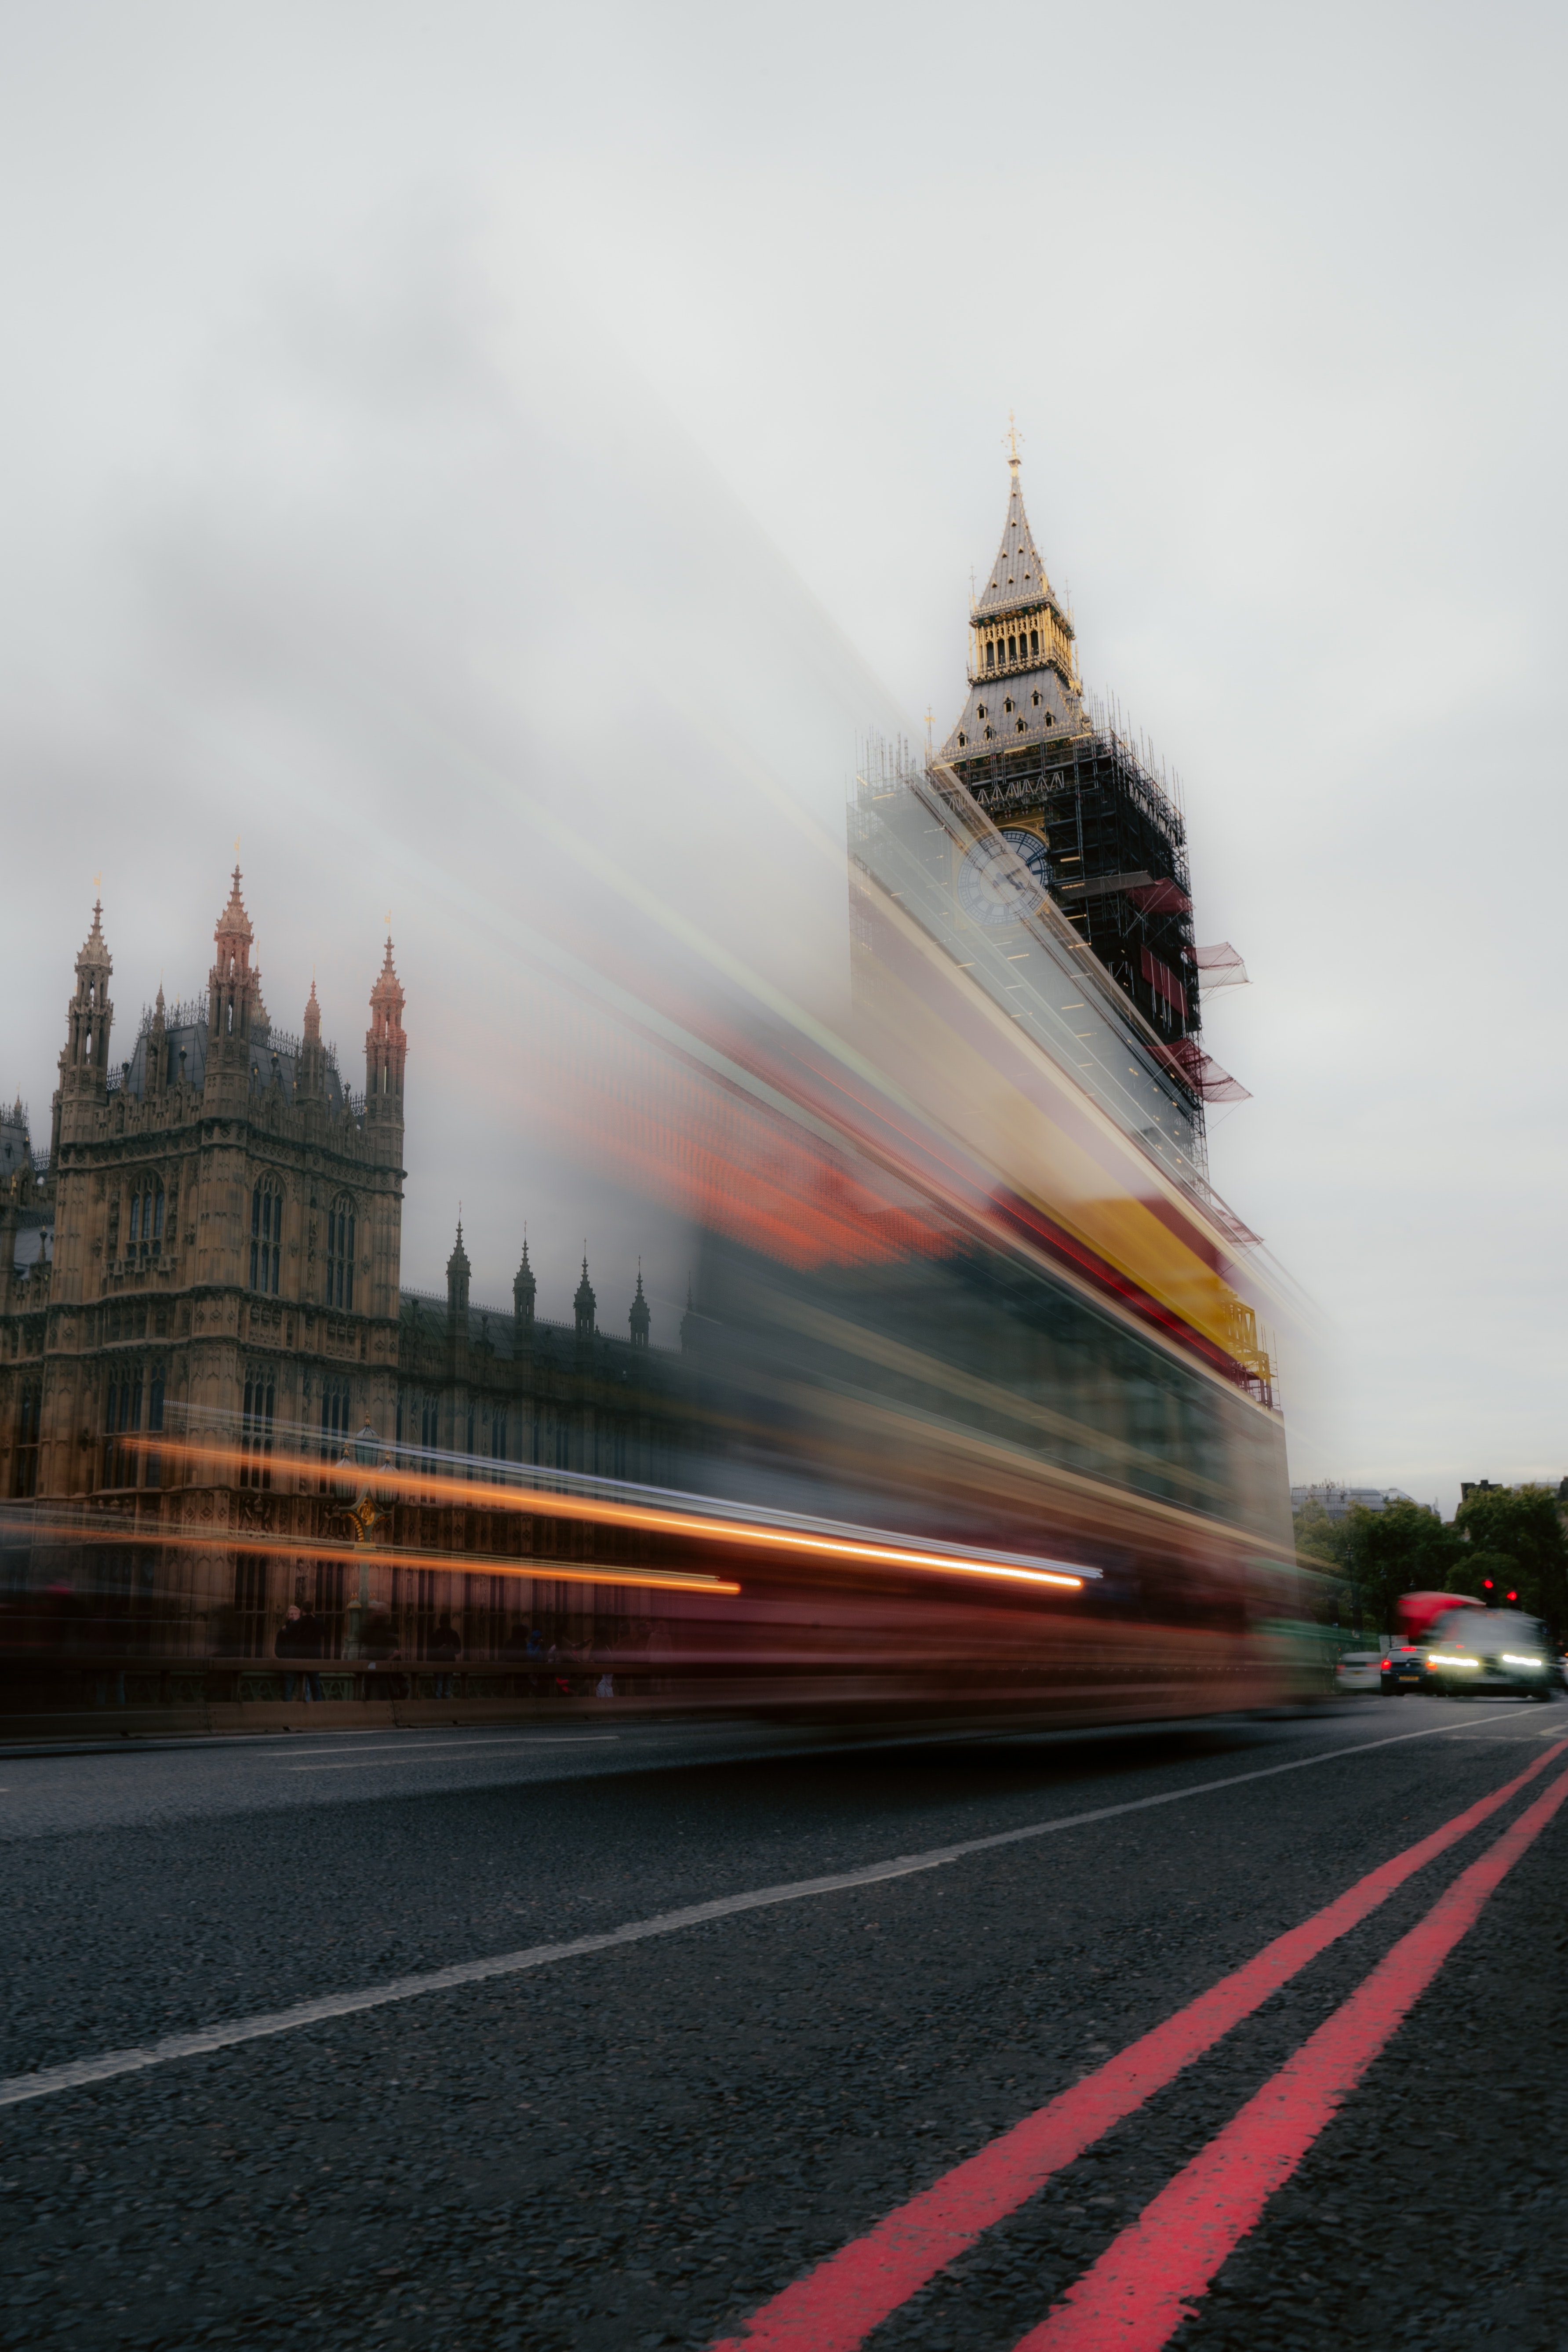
(1487, 1591)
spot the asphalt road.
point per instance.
(645, 2141)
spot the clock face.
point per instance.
(1002, 879)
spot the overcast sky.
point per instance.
(643, 372)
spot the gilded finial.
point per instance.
(1012, 442)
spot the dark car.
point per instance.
(1494, 1650)
(1401, 1672)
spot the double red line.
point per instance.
(1139, 2292)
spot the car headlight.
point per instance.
(1435, 1658)
(1536, 1666)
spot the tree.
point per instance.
(1404, 1548)
(1370, 1557)
(1522, 1528)
(1322, 1553)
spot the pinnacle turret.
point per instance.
(523, 1291)
(457, 1272)
(641, 1318)
(235, 1010)
(584, 1305)
(90, 1016)
(385, 1045)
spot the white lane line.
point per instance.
(1486, 1731)
(78, 2072)
(464, 1748)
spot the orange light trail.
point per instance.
(436, 1486)
(467, 1563)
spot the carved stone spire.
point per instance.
(386, 1045)
(458, 1270)
(585, 1304)
(235, 1010)
(310, 1073)
(522, 1294)
(89, 1017)
(641, 1318)
(155, 1071)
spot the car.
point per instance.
(1402, 1671)
(1357, 1670)
(1498, 1650)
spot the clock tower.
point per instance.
(1096, 829)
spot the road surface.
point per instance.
(1248, 2034)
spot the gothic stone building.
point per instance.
(200, 1303)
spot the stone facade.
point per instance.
(200, 1305)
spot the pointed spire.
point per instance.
(641, 1318)
(89, 1017)
(1022, 661)
(388, 988)
(522, 1290)
(457, 1272)
(1018, 575)
(234, 920)
(312, 1018)
(584, 1305)
(235, 1010)
(385, 1043)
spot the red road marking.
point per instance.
(851, 2293)
(1142, 2287)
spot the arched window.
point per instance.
(121, 1421)
(1033, 641)
(250, 1603)
(990, 654)
(498, 1434)
(334, 1421)
(146, 1234)
(30, 1414)
(266, 1235)
(256, 1427)
(155, 1424)
(1012, 648)
(341, 1253)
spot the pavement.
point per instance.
(610, 2036)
